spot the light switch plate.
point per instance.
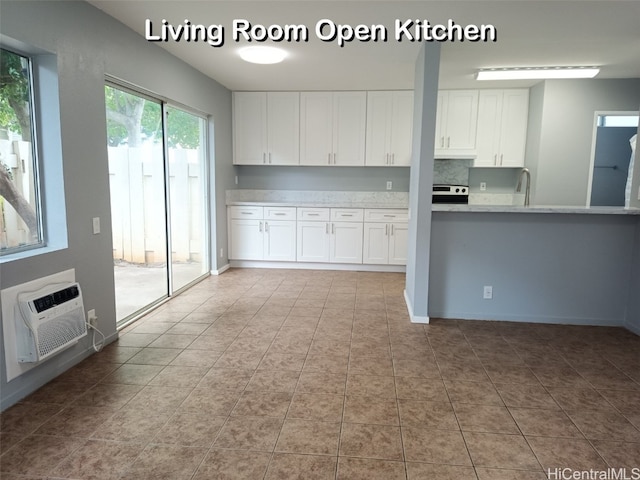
(389, 185)
(483, 186)
(96, 225)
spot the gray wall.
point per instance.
(632, 321)
(90, 45)
(357, 179)
(565, 132)
(422, 161)
(543, 267)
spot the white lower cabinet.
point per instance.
(329, 235)
(346, 242)
(246, 239)
(253, 235)
(280, 240)
(318, 235)
(385, 237)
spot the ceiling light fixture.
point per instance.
(532, 73)
(262, 55)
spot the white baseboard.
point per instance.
(632, 327)
(356, 267)
(603, 322)
(221, 270)
(414, 318)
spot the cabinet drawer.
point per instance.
(314, 214)
(279, 213)
(347, 215)
(245, 212)
(386, 215)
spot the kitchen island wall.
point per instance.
(570, 268)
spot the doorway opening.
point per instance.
(611, 155)
(158, 184)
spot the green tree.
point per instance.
(15, 117)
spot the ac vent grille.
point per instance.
(61, 331)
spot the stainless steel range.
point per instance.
(450, 194)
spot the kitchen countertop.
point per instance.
(564, 209)
(396, 200)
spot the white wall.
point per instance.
(89, 45)
(562, 121)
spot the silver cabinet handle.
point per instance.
(326, 228)
(389, 216)
(269, 157)
(329, 156)
(386, 229)
(495, 159)
(279, 214)
(334, 158)
(313, 214)
(264, 157)
(501, 155)
(266, 226)
(393, 158)
(346, 215)
(333, 228)
(260, 227)
(392, 229)
(448, 142)
(246, 213)
(386, 159)
(441, 142)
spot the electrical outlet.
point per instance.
(487, 293)
(92, 318)
(96, 225)
(236, 179)
(221, 253)
(483, 186)
(389, 185)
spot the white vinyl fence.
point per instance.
(137, 185)
(16, 156)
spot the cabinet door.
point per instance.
(513, 131)
(283, 128)
(398, 241)
(401, 129)
(313, 241)
(246, 240)
(462, 119)
(379, 120)
(280, 240)
(375, 248)
(349, 125)
(250, 128)
(346, 242)
(316, 128)
(441, 116)
(488, 132)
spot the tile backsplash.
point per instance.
(454, 171)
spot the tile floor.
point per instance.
(271, 374)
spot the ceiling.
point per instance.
(530, 33)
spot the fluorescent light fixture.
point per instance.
(262, 55)
(529, 73)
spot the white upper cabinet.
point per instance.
(389, 128)
(266, 128)
(332, 128)
(502, 128)
(456, 121)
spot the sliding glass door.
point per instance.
(186, 135)
(157, 159)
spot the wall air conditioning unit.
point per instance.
(48, 321)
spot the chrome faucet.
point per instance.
(528, 186)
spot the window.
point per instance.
(20, 216)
